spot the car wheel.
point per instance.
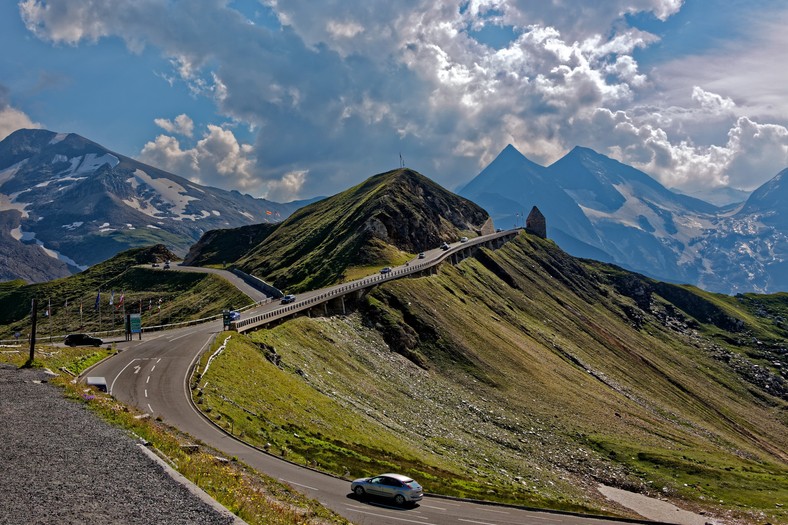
(399, 499)
(359, 492)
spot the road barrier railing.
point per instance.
(333, 292)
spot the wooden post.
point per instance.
(34, 315)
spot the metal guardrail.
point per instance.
(250, 323)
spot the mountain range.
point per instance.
(67, 203)
(599, 208)
(519, 374)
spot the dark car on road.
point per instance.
(289, 298)
(401, 489)
(82, 340)
(385, 270)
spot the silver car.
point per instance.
(401, 489)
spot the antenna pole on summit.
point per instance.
(401, 162)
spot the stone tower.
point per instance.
(536, 223)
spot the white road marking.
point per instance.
(498, 511)
(159, 359)
(146, 392)
(153, 368)
(150, 408)
(557, 520)
(117, 376)
(432, 507)
(389, 517)
(137, 369)
(147, 380)
(184, 335)
(298, 484)
(479, 522)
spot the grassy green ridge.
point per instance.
(529, 376)
(381, 221)
(184, 296)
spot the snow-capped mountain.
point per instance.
(639, 224)
(751, 244)
(512, 184)
(67, 203)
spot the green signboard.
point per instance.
(135, 322)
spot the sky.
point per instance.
(292, 99)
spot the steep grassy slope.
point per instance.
(380, 221)
(219, 247)
(184, 296)
(527, 375)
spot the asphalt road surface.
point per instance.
(152, 374)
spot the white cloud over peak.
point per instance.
(218, 159)
(11, 118)
(287, 188)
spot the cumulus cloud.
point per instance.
(12, 119)
(182, 125)
(712, 102)
(287, 188)
(752, 154)
(218, 159)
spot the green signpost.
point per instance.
(133, 325)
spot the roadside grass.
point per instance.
(256, 498)
(255, 391)
(703, 476)
(71, 360)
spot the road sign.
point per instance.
(135, 323)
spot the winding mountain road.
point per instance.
(153, 374)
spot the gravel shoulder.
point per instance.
(653, 509)
(63, 465)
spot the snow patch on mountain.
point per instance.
(58, 138)
(11, 171)
(168, 192)
(31, 237)
(91, 162)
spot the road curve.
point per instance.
(153, 375)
